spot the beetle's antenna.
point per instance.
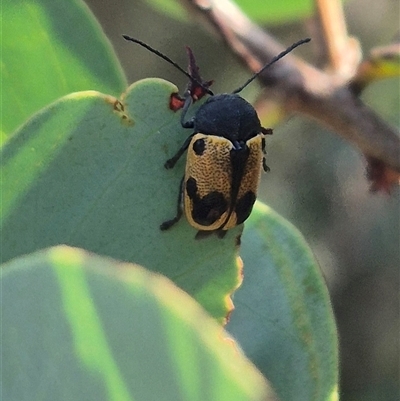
(168, 60)
(274, 60)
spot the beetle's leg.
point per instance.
(264, 163)
(185, 124)
(265, 167)
(201, 234)
(267, 131)
(221, 233)
(187, 104)
(169, 223)
(172, 161)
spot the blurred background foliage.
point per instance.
(317, 180)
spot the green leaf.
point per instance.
(83, 172)
(271, 12)
(283, 318)
(275, 12)
(172, 8)
(49, 49)
(80, 327)
(88, 171)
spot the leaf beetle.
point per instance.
(225, 154)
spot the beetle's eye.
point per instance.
(198, 147)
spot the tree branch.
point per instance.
(341, 53)
(300, 87)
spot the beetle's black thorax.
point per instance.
(227, 115)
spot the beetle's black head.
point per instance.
(227, 115)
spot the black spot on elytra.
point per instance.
(198, 147)
(209, 208)
(191, 188)
(244, 206)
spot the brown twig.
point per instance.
(342, 54)
(301, 87)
